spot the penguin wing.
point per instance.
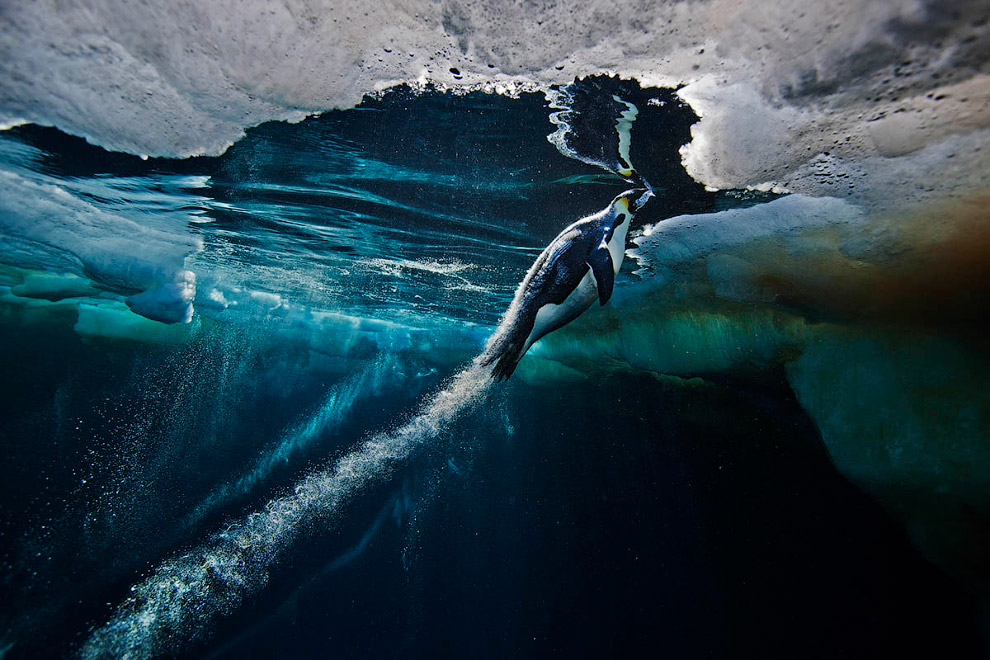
(558, 271)
(602, 268)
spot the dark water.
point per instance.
(345, 266)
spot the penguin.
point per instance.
(577, 267)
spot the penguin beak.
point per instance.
(638, 203)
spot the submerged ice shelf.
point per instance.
(873, 319)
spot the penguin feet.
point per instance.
(505, 360)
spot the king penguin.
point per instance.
(578, 266)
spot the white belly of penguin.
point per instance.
(551, 316)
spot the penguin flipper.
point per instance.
(600, 261)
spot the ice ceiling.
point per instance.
(861, 98)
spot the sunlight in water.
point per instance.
(337, 406)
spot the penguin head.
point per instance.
(631, 200)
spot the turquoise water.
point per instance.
(240, 419)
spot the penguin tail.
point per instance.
(505, 358)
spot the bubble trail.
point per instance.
(178, 602)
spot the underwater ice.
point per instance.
(868, 316)
(47, 226)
